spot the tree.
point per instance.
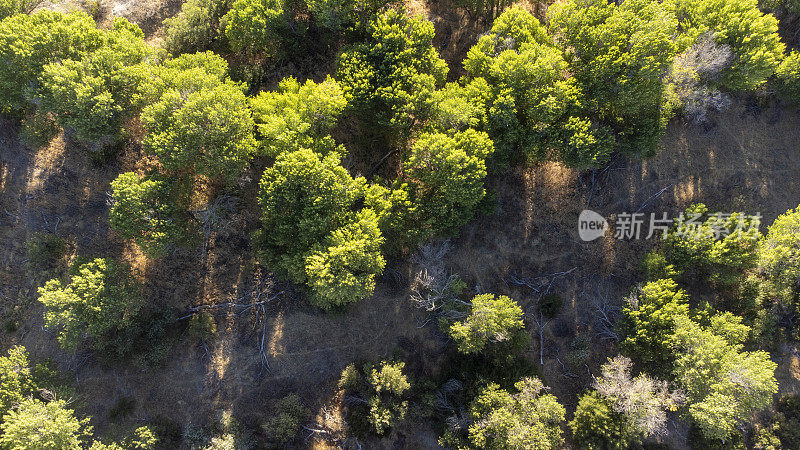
(529, 419)
(343, 270)
(45, 426)
(198, 27)
(298, 116)
(199, 121)
(319, 226)
(443, 178)
(29, 42)
(256, 26)
(597, 426)
(532, 99)
(649, 323)
(16, 380)
(386, 405)
(713, 248)
(94, 94)
(619, 54)
(457, 108)
(98, 303)
(642, 401)
(388, 79)
(724, 385)
(340, 15)
(751, 35)
(141, 211)
(9, 8)
(779, 258)
(491, 319)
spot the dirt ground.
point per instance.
(745, 159)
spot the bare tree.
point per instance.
(691, 73)
(643, 400)
(432, 287)
(211, 216)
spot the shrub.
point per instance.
(298, 116)
(289, 415)
(30, 42)
(142, 210)
(198, 27)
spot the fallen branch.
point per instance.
(658, 194)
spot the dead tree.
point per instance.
(541, 286)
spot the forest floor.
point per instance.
(744, 159)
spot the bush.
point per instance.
(287, 418)
(93, 95)
(142, 210)
(779, 259)
(381, 392)
(200, 123)
(528, 419)
(45, 253)
(298, 116)
(30, 42)
(16, 381)
(596, 426)
(443, 181)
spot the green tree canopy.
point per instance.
(256, 26)
(649, 323)
(198, 27)
(643, 401)
(15, 378)
(619, 54)
(389, 78)
(342, 270)
(319, 226)
(788, 74)
(29, 42)
(529, 419)
(298, 115)
(99, 301)
(779, 258)
(598, 426)
(491, 319)
(199, 120)
(45, 426)
(339, 15)
(10, 7)
(443, 181)
(92, 95)
(534, 104)
(387, 406)
(724, 385)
